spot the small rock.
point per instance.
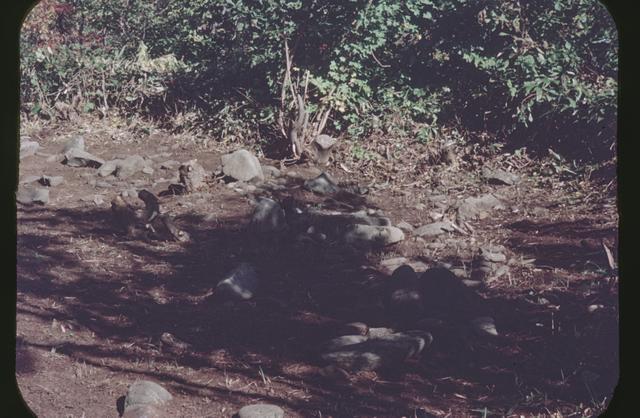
(192, 176)
(28, 148)
(405, 226)
(271, 171)
(499, 176)
(374, 235)
(31, 195)
(142, 411)
(355, 328)
(323, 184)
(51, 181)
(74, 143)
(474, 207)
(129, 166)
(593, 308)
(420, 206)
(144, 392)
(240, 283)
(29, 179)
(148, 170)
(268, 216)
(242, 165)
(98, 200)
(493, 257)
(261, 411)
(78, 158)
(433, 229)
(484, 326)
(344, 341)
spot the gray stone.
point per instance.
(433, 229)
(344, 341)
(363, 218)
(144, 392)
(322, 146)
(31, 195)
(73, 143)
(373, 235)
(28, 147)
(268, 216)
(147, 170)
(142, 411)
(261, 411)
(129, 166)
(383, 351)
(29, 179)
(355, 328)
(380, 332)
(76, 157)
(271, 171)
(240, 283)
(406, 304)
(192, 176)
(108, 168)
(170, 164)
(323, 184)
(484, 326)
(499, 176)
(405, 226)
(51, 181)
(494, 257)
(474, 207)
(242, 165)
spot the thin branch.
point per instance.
(378, 61)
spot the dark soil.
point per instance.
(92, 304)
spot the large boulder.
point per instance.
(477, 207)
(242, 165)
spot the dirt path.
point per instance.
(93, 305)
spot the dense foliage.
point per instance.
(543, 71)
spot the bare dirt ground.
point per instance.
(92, 304)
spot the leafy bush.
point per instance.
(543, 70)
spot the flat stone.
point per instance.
(433, 229)
(261, 411)
(405, 226)
(144, 392)
(147, 170)
(344, 341)
(29, 179)
(374, 235)
(169, 165)
(31, 195)
(242, 165)
(323, 184)
(76, 157)
(474, 207)
(499, 176)
(240, 283)
(389, 265)
(493, 257)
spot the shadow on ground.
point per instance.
(307, 290)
